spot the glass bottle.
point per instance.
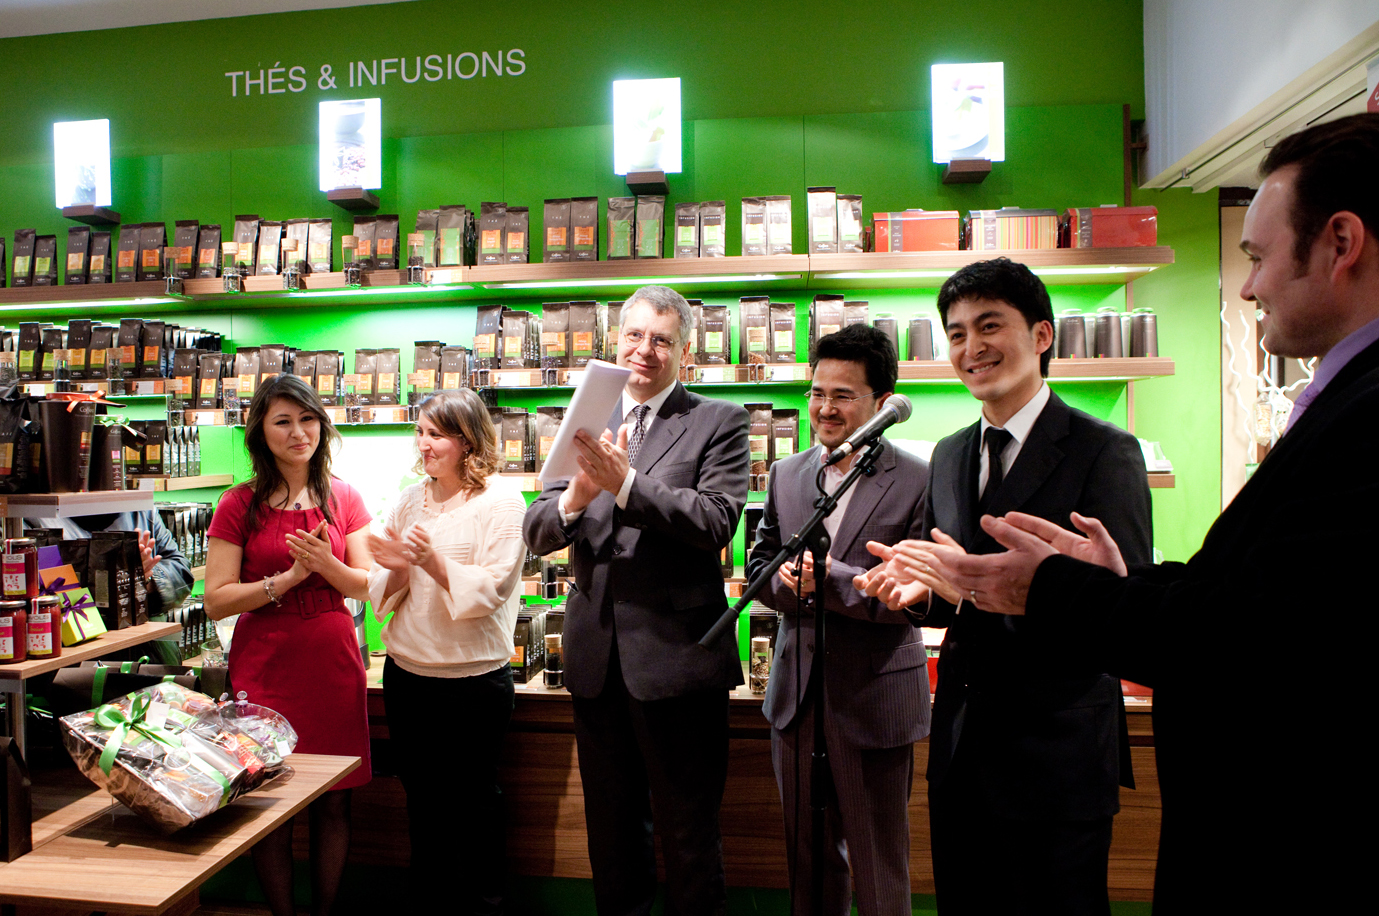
(229, 270)
(292, 265)
(353, 275)
(416, 260)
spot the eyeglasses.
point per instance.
(840, 401)
(658, 343)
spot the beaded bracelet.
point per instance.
(270, 591)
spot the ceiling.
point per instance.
(42, 17)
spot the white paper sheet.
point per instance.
(590, 407)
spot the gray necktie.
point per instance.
(634, 438)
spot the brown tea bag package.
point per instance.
(151, 349)
(651, 220)
(753, 227)
(785, 433)
(126, 254)
(622, 222)
(556, 231)
(455, 237)
(758, 443)
(778, 229)
(184, 235)
(51, 340)
(78, 346)
(493, 218)
(387, 371)
(208, 251)
(716, 338)
(208, 382)
(101, 266)
(270, 247)
(272, 362)
(754, 330)
(516, 236)
(455, 362)
(856, 313)
(328, 377)
(78, 255)
(23, 272)
(152, 239)
(488, 326)
(782, 332)
(825, 317)
(154, 453)
(584, 336)
(850, 223)
(547, 425)
(247, 372)
(426, 369)
(299, 231)
(515, 326)
(364, 228)
(246, 234)
(130, 344)
(45, 260)
(584, 228)
(112, 586)
(555, 335)
(385, 242)
(713, 240)
(320, 249)
(365, 375)
(823, 220)
(686, 230)
(513, 439)
(610, 326)
(428, 223)
(102, 340)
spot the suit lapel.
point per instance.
(1038, 458)
(964, 484)
(866, 495)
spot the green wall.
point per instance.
(777, 97)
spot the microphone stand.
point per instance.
(812, 535)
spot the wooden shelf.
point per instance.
(107, 642)
(1158, 480)
(1129, 368)
(162, 482)
(71, 505)
(198, 574)
(611, 279)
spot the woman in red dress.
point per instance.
(286, 548)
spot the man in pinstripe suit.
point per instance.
(876, 681)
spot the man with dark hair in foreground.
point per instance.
(1257, 740)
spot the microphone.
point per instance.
(896, 410)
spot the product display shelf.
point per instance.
(602, 280)
(1162, 480)
(71, 505)
(198, 574)
(93, 854)
(163, 482)
(1055, 266)
(1120, 369)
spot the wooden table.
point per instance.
(91, 853)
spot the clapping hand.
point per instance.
(309, 549)
(390, 552)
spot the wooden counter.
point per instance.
(94, 854)
(545, 802)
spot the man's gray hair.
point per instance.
(663, 301)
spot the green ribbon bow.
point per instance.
(121, 724)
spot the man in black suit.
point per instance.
(1260, 798)
(655, 500)
(876, 680)
(1020, 756)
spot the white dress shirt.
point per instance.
(1019, 427)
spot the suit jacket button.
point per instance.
(617, 551)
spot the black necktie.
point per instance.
(995, 441)
(634, 439)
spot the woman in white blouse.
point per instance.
(447, 574)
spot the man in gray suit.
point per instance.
(656, 499)
(876, 683)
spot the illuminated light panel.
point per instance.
(81, 163)
(646, 126)
(92, 303)
(640, 281)
(968, 110)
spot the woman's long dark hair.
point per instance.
(267, 477)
